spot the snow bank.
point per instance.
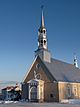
(70, 101)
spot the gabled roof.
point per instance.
(63, 71)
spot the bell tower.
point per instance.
(42, 50)
(42, 40)
(75, 61)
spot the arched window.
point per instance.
(44, 31)
(44, 42)
(41, 41)
(68, 91)
(75, 91)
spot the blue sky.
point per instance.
(19, 23)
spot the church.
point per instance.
(49, 79)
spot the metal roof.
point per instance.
(63, 71)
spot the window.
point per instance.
(68, 91)
(44, 31)
(44, 42)
(37, 66)
(41, 44)
(75, 91)
(51, 95)
(41, 41)
(38, 76)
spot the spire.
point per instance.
(42, 50)
(42, 18)
(75, 61)
(42, 39)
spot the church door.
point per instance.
(33, 94)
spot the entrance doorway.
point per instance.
(33, 93)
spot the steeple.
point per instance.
(42, 50)
(75, 61)
(42, 39)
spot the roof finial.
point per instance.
(42, 17)
(75, 61)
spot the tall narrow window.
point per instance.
(68, 91)
(75, 91)
(44, 42)
(44, 31)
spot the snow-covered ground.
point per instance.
(69, 103)
(8, 102)
(20, 104)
